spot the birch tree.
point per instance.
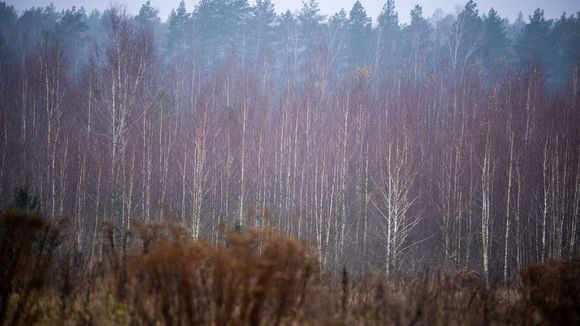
(394, 199)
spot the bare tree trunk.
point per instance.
(344, 177)
(243, 162)
(508, 204)
(80, 195)
(546, 195)
(198, 177)
(576, 210)
(96, 223)
(486, 192)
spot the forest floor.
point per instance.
(258, 277)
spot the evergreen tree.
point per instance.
(338, 29)
(262, 23)
(417, 41)
(35, 21)
(8, 18)
(72, 25)
(178, 29)
(565, 54)
(467, 38)
(496, 49)
(387, 51)
(495, 32)
(388, 19)
(310, 21)
(535, 38)
(286, 30)
(515, 29)
(71, 31)
(147, 14)
(339, 20)
(221, 26)
(359, 30)
(286, 45)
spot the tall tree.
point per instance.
(72, 30)
(565, 54)
(310, 22)
(221, 27)
(534, 40)
(178, 37)
(388, 38)
(496, 51)
(417, 41)
(262, 26)
(126, 70)
(359, 31)
(465, 40)
(148, 14)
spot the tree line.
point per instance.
(450, 142)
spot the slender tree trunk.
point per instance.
(508, 206)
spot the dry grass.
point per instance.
(257, 277)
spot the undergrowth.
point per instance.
(255, 277)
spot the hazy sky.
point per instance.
(506, 8)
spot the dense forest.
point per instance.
(448, 143)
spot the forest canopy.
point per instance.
(450, 142)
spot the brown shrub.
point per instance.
(258, 279)
(553, 290)
(27, 243)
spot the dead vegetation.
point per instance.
(255, 277)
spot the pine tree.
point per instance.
(497, 45)
(262, 22)
(359, 30)
(310, 21)
(417, 40)
(147, 14)
(388, 41)
(534, 40)
(178, 28)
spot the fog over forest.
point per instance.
(446, 143)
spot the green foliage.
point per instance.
(565, 52)
(310, 17)
(221, 27)
(417, 41)
(534, 39)
(359, 30)
(72, 23)
(178, 30)
(389, 40)
(388, 19)
(263, 19)
(8, 15)
(147, 14)
(263, 14)
(496, 43)
(310, 22)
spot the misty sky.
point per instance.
(506, 8)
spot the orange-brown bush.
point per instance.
(259, 278)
